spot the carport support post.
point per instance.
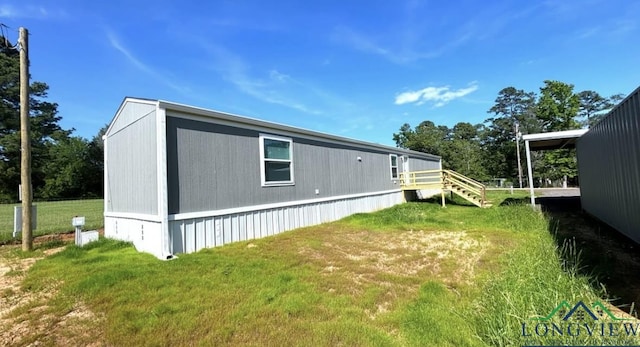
(530, 173)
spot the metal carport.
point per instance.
(548, 141)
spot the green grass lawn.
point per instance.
(55, 217)
(412, 275)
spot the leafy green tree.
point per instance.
(558, 106)
(558, 164)
(465, 153)
(558, 109)
(44, 125)
(483, 152)
(514, 106)
(593, 106)
(426, 137)
(96, 164)
(459, 147)
(511, 106)
(68, 173)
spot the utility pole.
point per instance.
(25, 142)
(518, 153)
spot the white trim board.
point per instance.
(161, 176)
(202, 214)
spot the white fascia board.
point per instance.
(202, 214)
(557, 135)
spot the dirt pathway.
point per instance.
(29, 318)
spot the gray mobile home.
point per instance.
(180, 178)
(609, 168)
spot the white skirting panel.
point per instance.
(191, 235)
(145, 235)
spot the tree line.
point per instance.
(63, 166)
(488, 151)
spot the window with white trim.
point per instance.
(393, 162)
(276, 160)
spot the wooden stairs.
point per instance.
(446, 181)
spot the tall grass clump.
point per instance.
(538, 276)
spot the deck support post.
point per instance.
(442, 188)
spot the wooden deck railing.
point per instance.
(468, 188)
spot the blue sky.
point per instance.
(355, 68)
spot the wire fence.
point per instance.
(53, 217)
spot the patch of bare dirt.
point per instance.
(25, 316)
(397, 263)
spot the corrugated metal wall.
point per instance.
(192, 235)
(609, 168)
(213, 167)
(131, 163)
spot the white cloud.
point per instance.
(38, 12)
(399, 53)
(8, 11)
(274, 88)
(117, 45)
(274, 85)
(279, 77)
(440, 96)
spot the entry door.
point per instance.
(405, 163)
(405, 168)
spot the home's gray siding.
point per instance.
(213, 167)
(131, 155)
(211, 192)
(609, 168)
(417, 164)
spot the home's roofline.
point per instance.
(168, 105)
(124, 101)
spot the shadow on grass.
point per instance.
(606, 255)
(449, 200)
(515, 201)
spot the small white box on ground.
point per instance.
(87, 237)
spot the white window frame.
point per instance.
(391, 166)
(263, 160)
